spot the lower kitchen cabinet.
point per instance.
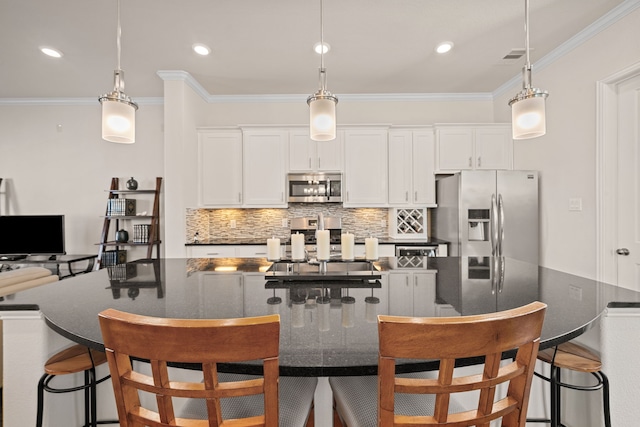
(407, 287)
(211, 251)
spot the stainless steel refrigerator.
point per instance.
(489, 213)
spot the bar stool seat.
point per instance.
(75, 359)
(576, 358)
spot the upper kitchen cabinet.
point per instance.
(220, 168)
(265, 167)
(306, 155)
(412, 168)
(366, 170)
(474, 147)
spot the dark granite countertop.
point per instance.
(219, 288)
(253, 241)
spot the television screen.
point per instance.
(32, 235)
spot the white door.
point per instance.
(628, 250)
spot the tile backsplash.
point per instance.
(264, 223)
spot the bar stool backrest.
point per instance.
(206, 342)
(451, 338)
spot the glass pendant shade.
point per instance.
(528, 117)
(118, 121)
(322, 117)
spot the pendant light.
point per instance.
(528, 106)
(322, 104)
(118, 110)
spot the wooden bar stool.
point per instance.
(573, 357)
(72, 360)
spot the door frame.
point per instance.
(606, 172)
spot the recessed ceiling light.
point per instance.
(318, 47)
(49, 51)
(201, 49)
(444, 47)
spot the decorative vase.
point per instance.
(122, 236)
(132, 184)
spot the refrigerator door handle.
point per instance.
(494, 226)
(500, 224)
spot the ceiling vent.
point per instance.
(514, 54)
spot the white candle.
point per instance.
(273, 249)
(371, 248)
(322, 242)
(347, 242)
(297, 247)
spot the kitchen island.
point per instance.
(345, 343)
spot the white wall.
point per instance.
(67, 171)
(566, 155)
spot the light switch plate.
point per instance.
(575, 204)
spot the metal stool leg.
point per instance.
(605, 398)
(40, 400)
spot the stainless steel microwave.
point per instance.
(314, 187)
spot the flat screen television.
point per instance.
(22, 235)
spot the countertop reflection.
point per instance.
(326, 328)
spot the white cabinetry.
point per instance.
(412, 168)
(264, 167)
(366, 170)
(463, 147)
(252, 251)
(407, 287)
(211, 251)
(220, 168)
(306, 155)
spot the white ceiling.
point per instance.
(265, 47)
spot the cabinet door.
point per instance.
(366, 168)
(301, 151)
(424, 179)
(329, 154)
(424, 294)
(400, 168)
(493, 148)
(264, 168)
(455, 148)
(220, 168)
(400, 294)
(308, 155)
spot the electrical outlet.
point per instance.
(232, 223)
(575, 293)
(383, 223)
(285, 222)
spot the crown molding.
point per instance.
(602, 23)
(68, 102)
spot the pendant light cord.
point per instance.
(118, 35)
(526, 32)
(321, 36)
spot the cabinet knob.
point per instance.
(406, 196)
(470, 162)
(479, 162)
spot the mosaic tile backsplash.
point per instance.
(261, 224)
